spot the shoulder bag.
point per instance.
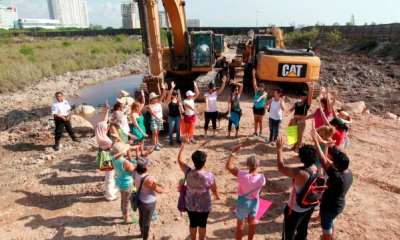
(135, 195)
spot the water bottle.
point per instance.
(266, 140)
(154, 216)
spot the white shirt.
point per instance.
(157, 110)
(212, 101)
(189, 111)
(275, 111)
(60, 108)
(202, 47)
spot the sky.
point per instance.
(242, 13)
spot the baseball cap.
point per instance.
(143, 162)
(304, 94)
(189, 93)
(261, 85)
(175, 93)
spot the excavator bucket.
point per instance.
(153, 83)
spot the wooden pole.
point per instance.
(362, 33)
(380, 30)
(390, 32)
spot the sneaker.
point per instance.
(159, 145)
(215, 136)
(76, 139)
(171, 143)
(192, 141)
(272, 143)
(56, 147)
(178, 142)
(157, 148)
(255, 134)
(260, 134)
(205, 137)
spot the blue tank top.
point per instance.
(261, 103)
(124, 178)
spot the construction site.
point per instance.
(58, 194)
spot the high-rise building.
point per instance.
(193, 23)
(70, 13)
(8, 15)
(163, 23)
(129, 13)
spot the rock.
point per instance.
(81, 125)
(355, 107)
(122, 93)
(367, 112)
(334, 81)
(390, 116)
(85, 109)
(124, 99)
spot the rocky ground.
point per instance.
(58, 195)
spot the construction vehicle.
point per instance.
(221, 46)
(189, 57)
(291, 70)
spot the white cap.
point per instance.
(153, 95)
(189, 93)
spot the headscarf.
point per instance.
(118, 118)
(100, 130)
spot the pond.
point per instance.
(97, 94)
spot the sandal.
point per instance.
(130, 214)
(131, 222)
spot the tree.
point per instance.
(95, 26)
(349, 24)
(109, 28)
(336, 24)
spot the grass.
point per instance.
(392, 49)
(364, 45)
(22, 64)
(301, 39)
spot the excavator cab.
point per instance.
(261, 42)
(220, 45)
(202, 50)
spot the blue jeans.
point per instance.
(246, 207)
(274, 129)
(327, 220)
(174, 122)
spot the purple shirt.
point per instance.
(319, 122)
(198, 197)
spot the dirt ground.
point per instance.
(61, 198)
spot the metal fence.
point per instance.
(383, 32)
(137, 31)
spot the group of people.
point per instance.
(323, 157)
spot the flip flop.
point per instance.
(130, 214)
(131, 222)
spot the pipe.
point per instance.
(145, 31)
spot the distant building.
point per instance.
(301, 25)
(8, 15)
(193, 23)
(163, 22)
(37, 23)
(129, 15)
(70, 13)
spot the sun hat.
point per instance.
(304, 94)
(153, 95)
(189, 93)
(118, 149)
(143, 162)
(175, 93)
(118, 118)
(261, 85)
(345, 117)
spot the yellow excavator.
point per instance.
(190, 56)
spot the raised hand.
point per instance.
(186, 138)
(237, 148)
(173, 85)
(312, 85)
(279, 143)
(224, 79)
(142, 92)
(231, 81)
(107, 106)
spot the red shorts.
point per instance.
(190, 118)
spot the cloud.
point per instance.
(29, 9)
(106, 14)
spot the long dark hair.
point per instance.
(339, 123)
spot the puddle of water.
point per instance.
(98, 94)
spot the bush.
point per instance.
(367, 45)
(26, 50)
(334, 36)
(95, 50)
(120, 38)
(100, 38)
(301, 39)
(386, 50)
(66, 44)
(31, 59)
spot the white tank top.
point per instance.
(157, 111)
(275, 111)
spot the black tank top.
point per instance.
(173, 109)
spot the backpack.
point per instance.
(311, 194)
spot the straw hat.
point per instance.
(345, 117)
(153, 95)
(119, 149)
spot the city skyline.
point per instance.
(308, 12)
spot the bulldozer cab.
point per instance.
(219, 44)
(203, 49)
(261, 42)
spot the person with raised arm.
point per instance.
(326, 110)
(300, 109)
(190, 112)
(198, 183)
(260, 97)
(211, 107)
(174, 115)
(276, 107)
(234, 111)
(157, 121)
(139, 130)
(249, 188)
(339, 182)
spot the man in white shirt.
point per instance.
(61, 112)
(202, 51)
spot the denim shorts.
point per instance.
(246, 207)
(327, 220)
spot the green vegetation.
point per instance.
(120, 38)
(301, 39)
(66, 43)
(21, 64)
(365, 45)
(392, 49)
(334, 36)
